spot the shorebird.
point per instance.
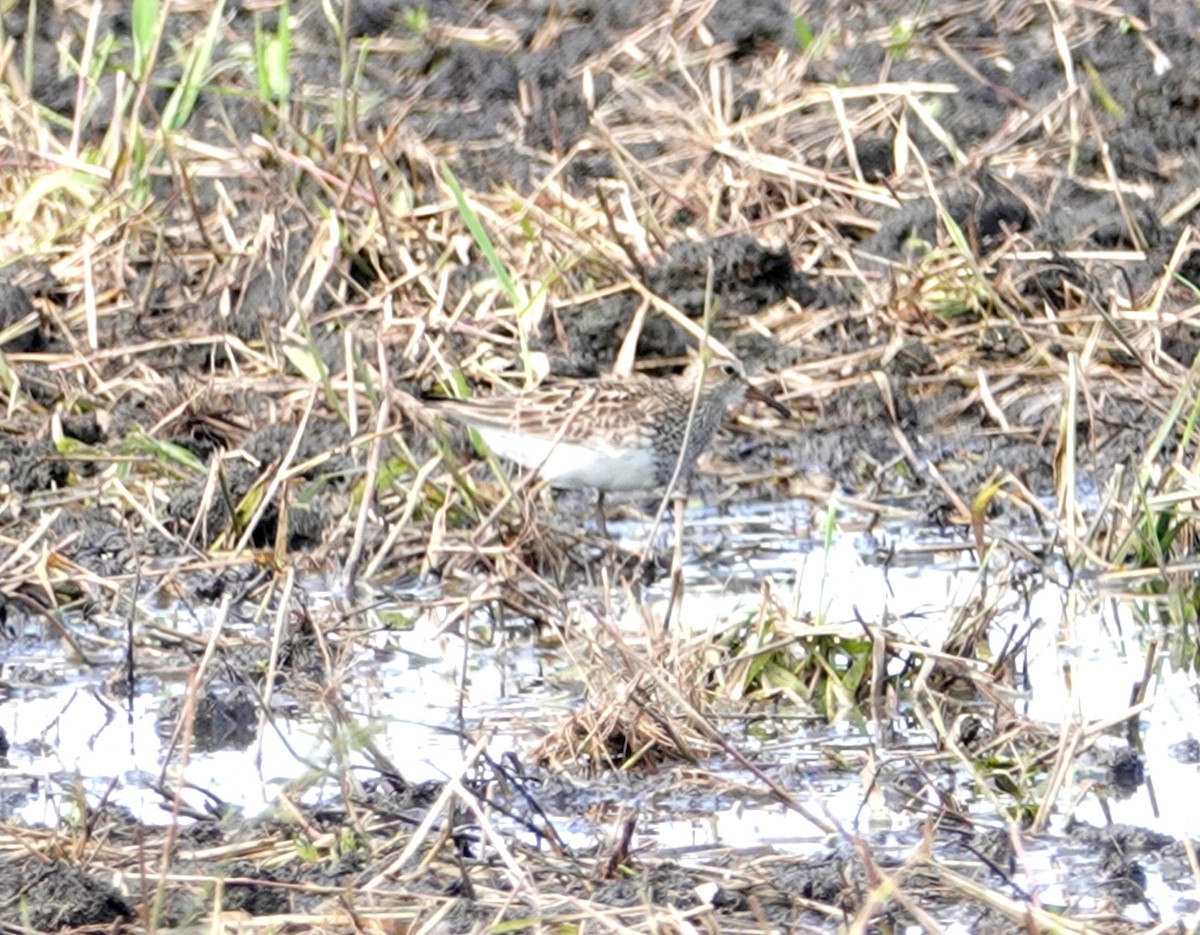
(611, 435)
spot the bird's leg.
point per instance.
(600, 514)
(678, 502)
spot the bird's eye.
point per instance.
(729, 369)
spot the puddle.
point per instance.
(405, 696)
(414, 694)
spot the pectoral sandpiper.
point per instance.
(611, 435)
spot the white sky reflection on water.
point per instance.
(405, 693)
(407, 699)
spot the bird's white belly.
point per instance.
(572, 465)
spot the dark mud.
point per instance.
(468, 93)
(56, 896)
(523, 88)
(782, 890)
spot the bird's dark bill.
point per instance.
(755, 393)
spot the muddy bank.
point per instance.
(828, 273)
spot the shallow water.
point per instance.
(406, 699)
(415, 693)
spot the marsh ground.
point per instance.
(934, 636)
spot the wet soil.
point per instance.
(784, 891)
(521, 89)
